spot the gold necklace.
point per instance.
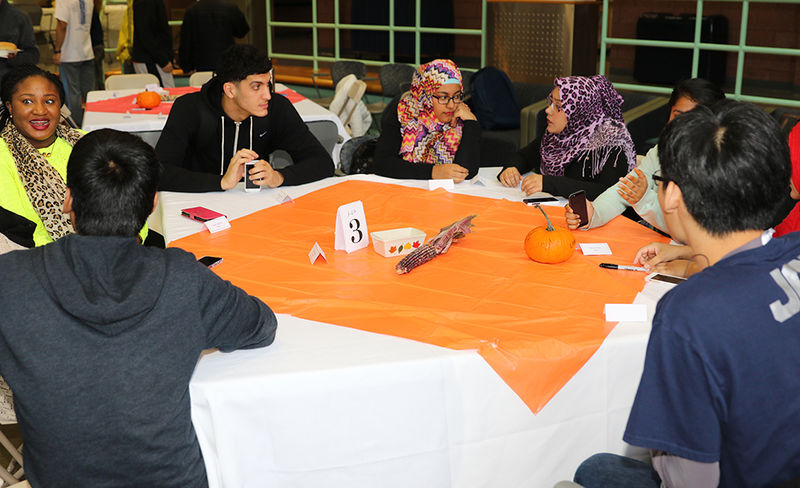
(49, 153)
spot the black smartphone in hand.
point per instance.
(577, 201)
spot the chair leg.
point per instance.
(14, 451)
(6, 478)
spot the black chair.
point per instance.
(340, 69)
(394, 78)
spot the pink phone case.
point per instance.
(201, 214)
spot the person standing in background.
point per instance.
(152, 40)
(96, 34)
(73, 52)
(15, 27)
(125, 41)
(209, 28)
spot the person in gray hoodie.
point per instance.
(100, 335)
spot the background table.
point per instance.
(149, 125)
(337, 407)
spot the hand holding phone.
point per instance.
(250, 185)
(577, 201)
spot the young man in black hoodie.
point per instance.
(100, 335)
(234, 119)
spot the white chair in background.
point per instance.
(347, 105)
(138, 80)
(199, 78)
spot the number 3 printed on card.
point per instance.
(353, 235)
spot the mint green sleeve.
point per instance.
(610, 204)
(648, 207)
(607, 206)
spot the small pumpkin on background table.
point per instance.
(551, 244)
(148, 99)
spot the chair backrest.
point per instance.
(340, 69)
(199, 78)
(393, 77)
(138, 80)
(354, 95)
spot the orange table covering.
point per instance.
(128, 103)
(292, 95)
(535, 324)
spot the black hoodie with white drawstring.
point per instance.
(199, 140)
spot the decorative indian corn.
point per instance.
(437, 245)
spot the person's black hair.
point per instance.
(12, 79)
(731, 163)
(240, 61)
(113, 178)
(698, 90)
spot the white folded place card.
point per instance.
(478, 181)
(218, 224)
(283, 197)
(446, 184)
(317, 252)
(625, 312)
(595, 248)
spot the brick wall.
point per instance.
(771, 25)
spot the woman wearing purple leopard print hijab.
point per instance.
(586, 145)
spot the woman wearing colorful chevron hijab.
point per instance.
(586, 145)
(433, 135)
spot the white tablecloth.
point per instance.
(327, 406)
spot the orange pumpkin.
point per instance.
(549, 244)
(148, 99)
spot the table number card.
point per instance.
(351, 227)
(316, 252)
(218, 224)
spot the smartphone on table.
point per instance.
(535, 200)
(210, 261)
(577, 201)
(665, 278)
(200, 214)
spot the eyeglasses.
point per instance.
(444, 99)
(657, 177)
(556, 105)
